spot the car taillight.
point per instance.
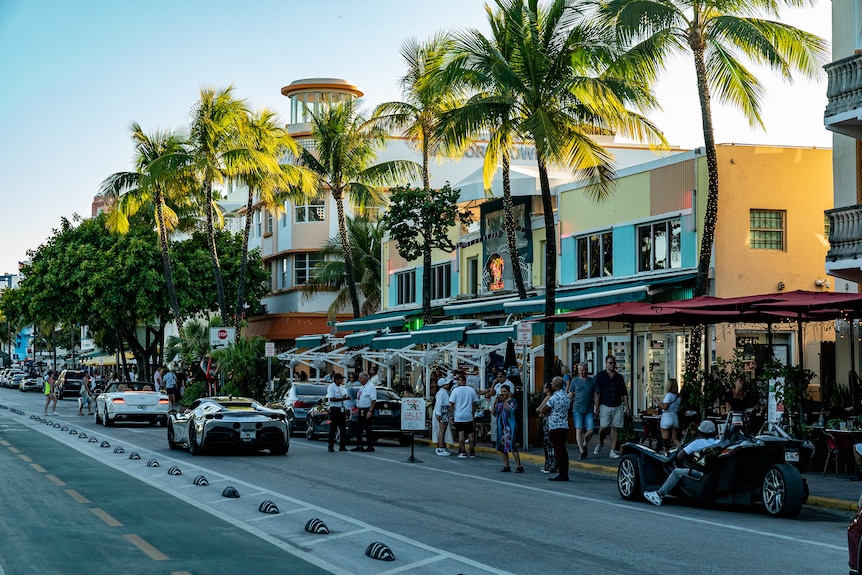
(302, 404)
(118, 400)
(164, 400)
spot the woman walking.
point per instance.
(50, 392)
(505, 410)
(550, 465)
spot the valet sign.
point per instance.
(412, 414)
(221, 336)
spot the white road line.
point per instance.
(331, 537)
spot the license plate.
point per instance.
(144, 407)
(791, 456)
(384, 411)
(246, 435)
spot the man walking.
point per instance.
(442, 415)
(582, 393)
(611, 397)
(366, 399)
(556, 410)
(462, 406)
(171, 387)
(337, 395)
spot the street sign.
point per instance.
(270, 349)
(525, 333)
(221, 336)
(412, 414)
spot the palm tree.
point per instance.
(259, 167)
(217, 118)
(152, 183)
(714, 33)
(366, 238)
(345, 145)
(569, 85)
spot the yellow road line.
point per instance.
(14, 449)
(37, 467)
(105, 517)
(77, 496)
(55, 480)
(151, 551)
(24, 457)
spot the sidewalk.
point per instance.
(826, 492)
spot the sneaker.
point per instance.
(653, 498)
(598, 449)
(442, 452)
(543, 470)
(614, 454)
(368, 450)
(472, 454)
(462, 455)
(583, 455)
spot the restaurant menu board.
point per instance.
(774, 409)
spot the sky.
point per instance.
(75, 75)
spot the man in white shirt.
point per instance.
(366, 399)
(706, 432)
(473, 379)
(462, 407)
(442, 414)
(375, 376)
(158, 380)
(337, 395)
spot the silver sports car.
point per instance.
(131, 401)
(212, 422)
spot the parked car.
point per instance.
(9, 380)
(131, 401)
(296, 402)
(31, 383)
(69, 383)
(16, 379)
(237, 422)
(386, 420)
(743, 469)
(854, 540)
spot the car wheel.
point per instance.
(163, 421)
(98, 419)
(629, 478)
(309, 432)
(194, 448)
(107, 420)
(278, 450)
(404, 440)
(783, 491)
(171, 443)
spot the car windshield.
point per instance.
(74, 375)
(304, 389)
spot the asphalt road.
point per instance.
(71, 506)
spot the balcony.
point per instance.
(844, 110)
(844, 259)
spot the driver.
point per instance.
(706, 438)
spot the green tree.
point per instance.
(366, 239)
(345, 147)
(244, 367)
(419, 221)
(714, 33)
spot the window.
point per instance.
(283, 275)
(595, 256)
(405, 283)
(256, 223)
(767, 229)
(473, 275)
(660, 246)
(303, 267)
(268, 222)
(441, 281)
(313, 212)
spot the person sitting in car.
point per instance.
(706, 438)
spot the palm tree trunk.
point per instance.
(222, 301)
(426, 284)
(164, 245)
(550, 266)
(426, 175)
(509, 225)
(243, 266)
(348, 256)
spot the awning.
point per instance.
(477, 306)
(441, 333)
(286, 326)
(489, 335)
(107, 359)
(375, 321)
(523, 181)
(311, 340)
(360, 338)
(597, 295)
(391, 341)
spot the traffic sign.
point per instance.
(270, 349)
(221, 336)
(525, 333)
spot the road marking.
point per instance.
(175, 573)
(409, 566)
(105, 517)
(330, 537)
(24, 457)
(55, 480)
(77, 496)
(4, 443)
(38, 467)
(14, 449)
(151, 551)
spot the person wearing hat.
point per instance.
(337, 395)
(706, 438)
(441, 414)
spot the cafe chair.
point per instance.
(839, 447)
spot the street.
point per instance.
(101, 512)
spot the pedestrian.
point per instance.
(86, 398)
(506, 429)
(611, 397)
(582, 393)
(375, 378)
(366, 400)
(491, 394)
(550, 461)
(557, 412)
(473, 379)
(337, 395)
(50, 391)
(706, 438)
(171, 386)
(462, 407)
(441, 415)
(669, 423)
(158, 380)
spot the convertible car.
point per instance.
(231, 422)
(743, 469)
(131, 401)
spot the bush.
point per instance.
(193, 391)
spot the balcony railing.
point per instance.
(845, 233)
(845, 96)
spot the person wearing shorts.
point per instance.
(611, 396)
(441, 414)
(462, 407)
(582, 393)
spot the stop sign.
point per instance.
(222, 334)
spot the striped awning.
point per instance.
(489, 335)
(311, 340)
(477, 306)
(376, 321)
(441, 333)
(391, 341)
(360, 338)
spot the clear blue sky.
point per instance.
(75, 74)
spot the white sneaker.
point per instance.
(598, 449)
(653, 498)
(614, 454)
(462, 455)
(442, 452)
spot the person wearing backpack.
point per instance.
(669, 423)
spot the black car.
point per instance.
(387, 417)
(69, 383)
(296, 402)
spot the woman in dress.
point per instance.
(550, 465)
(505, 410)
(669, 423)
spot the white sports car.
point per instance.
(212, 422)
(131, 401)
